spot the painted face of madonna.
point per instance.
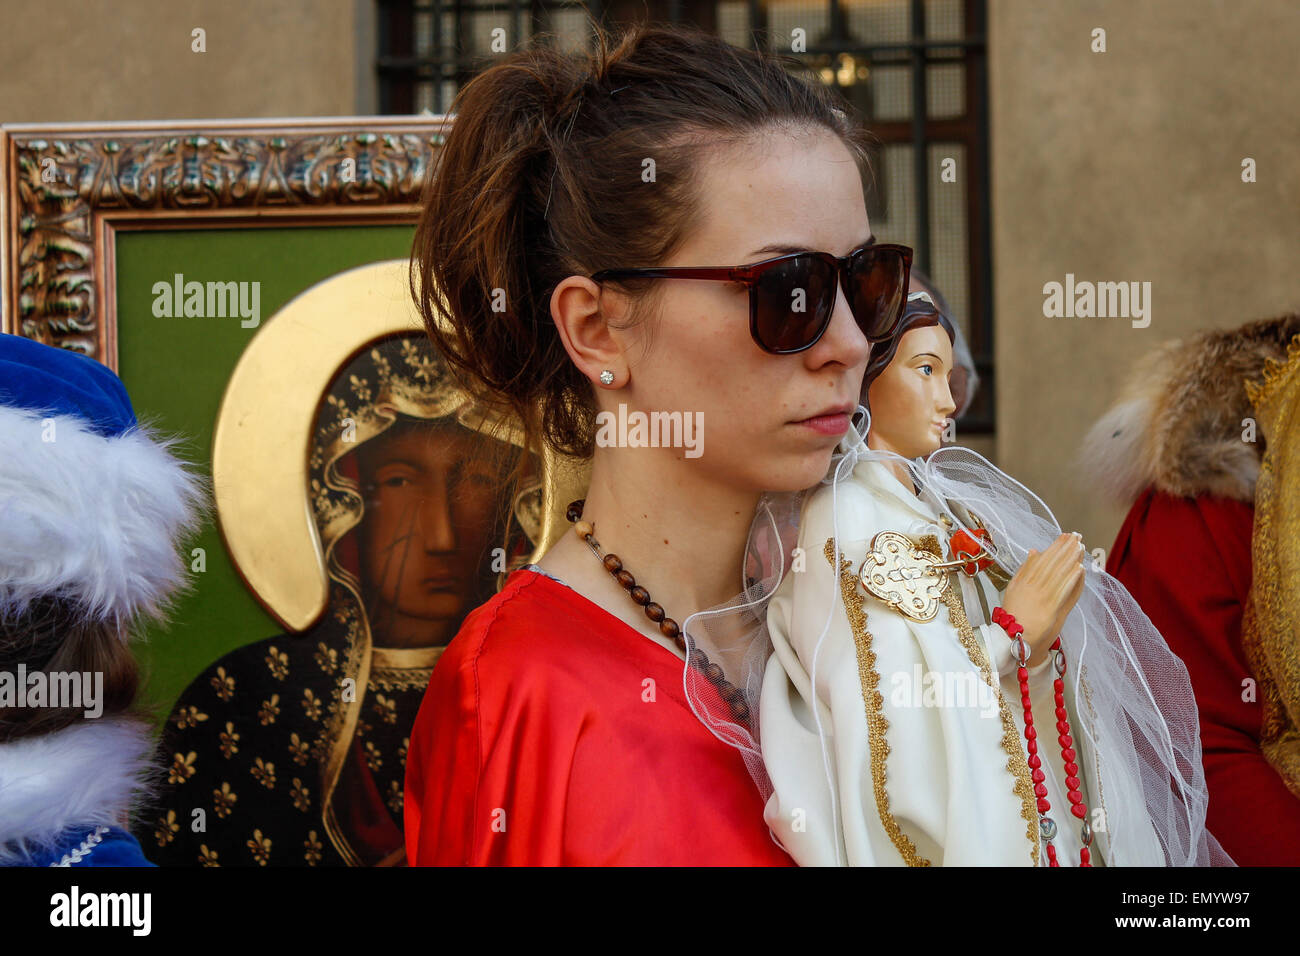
(911, 399)
(430, 502)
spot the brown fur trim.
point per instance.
(1178, 425)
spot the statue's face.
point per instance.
(431, 496)
(911, 398)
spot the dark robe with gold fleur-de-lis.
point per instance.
(248, 745)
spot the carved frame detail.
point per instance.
(69, 188)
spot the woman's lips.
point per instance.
(827, 424)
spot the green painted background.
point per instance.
(176, 371)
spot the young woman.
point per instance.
(920, 710)
(559, 726)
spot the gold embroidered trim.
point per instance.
(400, 678)
(1271, 620)
(1276, 738)
(873, 701)
(1262, 389)
(396, 658)
(1017, 763)
(402, 668)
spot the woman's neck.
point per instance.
(679, 535)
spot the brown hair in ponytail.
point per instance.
(540, 178)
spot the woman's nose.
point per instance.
(843, 341)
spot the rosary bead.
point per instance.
(640, 596)
(574, 511)
(654, 612)
(740, 710)
(668, 627)
(613, 564)
(625, 578)
(713, 673)
(583, 529)
(698, 659)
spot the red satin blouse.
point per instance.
(552, 733)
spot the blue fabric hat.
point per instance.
(41, 378)
(92, 506)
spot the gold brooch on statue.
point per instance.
(908, 579)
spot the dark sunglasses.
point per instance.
(874, 277)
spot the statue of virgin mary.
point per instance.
(899, 725)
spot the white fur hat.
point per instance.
(92, 505)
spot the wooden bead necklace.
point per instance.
(712, 672)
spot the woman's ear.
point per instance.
(581, 310)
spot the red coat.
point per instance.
(1187, 562)
(535, 745)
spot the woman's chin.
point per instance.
(803, 474)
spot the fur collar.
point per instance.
(1177, 426)
(88, 774)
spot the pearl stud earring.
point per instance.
(607, 377)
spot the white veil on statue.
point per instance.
(1138, 727)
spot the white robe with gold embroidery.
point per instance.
(924, 760)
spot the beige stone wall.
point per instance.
(1126, 165)
(1115, 166)
(85, 60)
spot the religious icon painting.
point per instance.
(405, 509)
